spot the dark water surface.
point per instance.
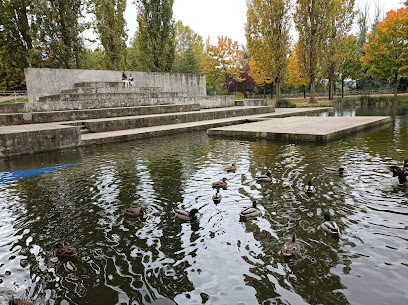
(217, 260)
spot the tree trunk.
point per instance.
(264, 91)
(278, 91)
(331, 83)
(342, 87)
(304, 91)
(312, 91)
(396, 85)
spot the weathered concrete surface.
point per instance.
(253, 102)
(216, 101)
(72, 115)
(317, 129)
(121, 123)
(42, 82)
(155, 131)
(12, 108)
(28, 139)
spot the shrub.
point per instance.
(283, 103)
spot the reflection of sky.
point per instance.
(6, 177)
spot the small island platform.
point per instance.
(302, 128)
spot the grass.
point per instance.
(15, 100)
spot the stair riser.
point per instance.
(86, 90)
(46, 117)
(113, 103)
(132, 123)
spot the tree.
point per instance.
(60, 32)
(350, 65)
(386, 52)
(362, 21)
(259, 75)
(156, 29)
(222, 63)
(340, 19)
(110, 25)
(312, 20)
(267, 33)
(189, 50)
(247, 85)
(296, 75)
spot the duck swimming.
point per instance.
(249, 212)
(291, 247)
(65, 251)
(134, 212)
(14, 301)
(220, 184)
(329, 225)
(309, 189)
(217, 197)
(334, 171)
(401, 173)
(231, 169)
(186, 215)
(267, 177)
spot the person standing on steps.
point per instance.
(125, 80)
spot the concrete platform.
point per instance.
(301, 128)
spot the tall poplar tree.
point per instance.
(313, 24)
(157, 35)
(267, 34)
(110, 25)
(61, 29)
(340, 19)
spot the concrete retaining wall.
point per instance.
(42, 82)
(12, 108)
(216, 101)
(15, 141)
(257, 102)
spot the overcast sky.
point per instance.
(212, 18)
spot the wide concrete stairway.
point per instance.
(108, 112)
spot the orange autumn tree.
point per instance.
(222, 63)
(387, 52)
(258, 73)
(297, 75)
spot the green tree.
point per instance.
(187, 41)
(267, 33)
(340, 19)
(350, 65)
(93, 59)
(110, 25)
(61, 31)
(312, 20)
(386, 53)
(156, 28)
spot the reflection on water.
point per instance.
(218, 260)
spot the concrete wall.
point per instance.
(43, 82)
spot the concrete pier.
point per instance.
(301, 128)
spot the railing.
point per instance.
(12, 95)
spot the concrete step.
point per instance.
(99, 84)
(128, 94)
(88, 90)
(8, 119)
(132, 122)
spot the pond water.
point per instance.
(218, 259)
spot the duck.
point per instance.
(186, 215)
(334, 171)
(329, 225)
(231, 169)
(399, 172)
(65, 251)
(291, 247)
(217, 197)
(14, 301)
(266, 177)
(249, 212)
(309, 189)
(134, 212)
(220, 184)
